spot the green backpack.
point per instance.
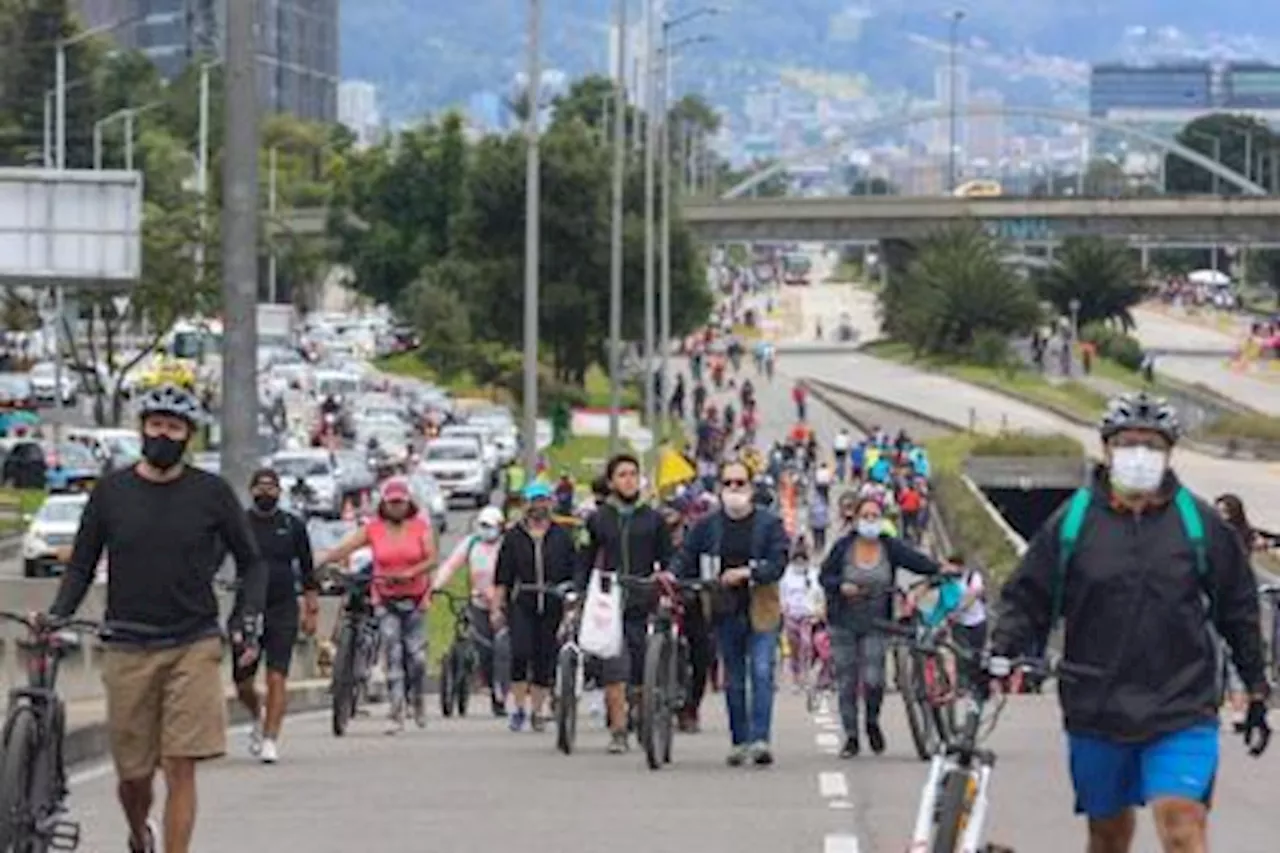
(1073, 521)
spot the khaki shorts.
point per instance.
(164, 703)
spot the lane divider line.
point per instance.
(826, 739)
(832, 784)
(840, 844)
(840, 804)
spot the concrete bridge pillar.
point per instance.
(1144, 252)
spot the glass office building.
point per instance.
(297, 44)
(1252, 86)
(1124, 88)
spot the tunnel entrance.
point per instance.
(1027, 510)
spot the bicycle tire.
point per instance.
(673, 699)
(953, 807)
(17, 766)
(342, 684)
(653, 705)
(918, 718)
(462, 683)
(943, 714)
(566, 700)
(448, 676)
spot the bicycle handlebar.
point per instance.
(1040, 667)
(42, 626)
(666, 581)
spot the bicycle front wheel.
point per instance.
(342, 684)
(953, 812)
(17, 766)
(566, 699)
(919, 720)
(655, 713)
(448, 681)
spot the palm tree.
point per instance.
(957, 292)
(1102, 276)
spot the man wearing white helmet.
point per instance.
(479, 554)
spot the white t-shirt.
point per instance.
(796, 590)
(840, 444)
(976, 613)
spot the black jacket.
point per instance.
(627, 544)
(519, 564)
(900, 556)
(1134, 608)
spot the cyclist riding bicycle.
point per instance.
(478, 553)
(1146, 577)
(161, 521)
(631, 539)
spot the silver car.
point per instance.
(428, 495)
(309, 481)
(459, 467)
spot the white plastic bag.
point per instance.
(601, 630)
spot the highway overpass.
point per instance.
(1201, 220)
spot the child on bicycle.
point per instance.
(801, 599)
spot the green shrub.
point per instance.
(990, 349)
(1114, 344)
(1026, 444)
(1246, 427)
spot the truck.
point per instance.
(275, 324)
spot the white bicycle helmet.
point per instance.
(1140, 410)
(171, 400)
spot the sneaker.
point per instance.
(875, 737)
(497, 706)
(851, 748)
(618, 743)
(537, 722)
(517, 720)
(420, 712)
(396, 724)
(737, 756)
(761, 755)
(255, 739)
(269, 753)
(148, 844)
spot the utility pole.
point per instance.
(239, 408)
(664, 151)
(202, 171)
(532, 213)
(273, 166)
(956, 17)
(650, 141)
(615, 235)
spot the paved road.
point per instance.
(469, 785)
(1257, 390)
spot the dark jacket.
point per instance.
(1134, 608)
(518, 564)
(900, 556)
(629, 544)
(769, 547)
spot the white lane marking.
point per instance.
(823, 719)
(833, 726)
(840, 804)
(832, 784)
(826, 739)
(840, 844)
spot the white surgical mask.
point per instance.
(736, 504)
(870, 529)
(489, 534)
(1137, 469)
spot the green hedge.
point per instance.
(1114, 344)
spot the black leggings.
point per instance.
(701, 655)
(533, 642)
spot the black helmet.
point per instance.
(171, 400)
(1140, 410)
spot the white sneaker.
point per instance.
(269, 754)
(255, 739)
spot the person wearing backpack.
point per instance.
(1146, 578)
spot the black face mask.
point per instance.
(538, 513)
(162, 452)
(266, 504)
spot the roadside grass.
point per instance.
(583, 456)
(596, 386)
(440, 621)
(17, 506)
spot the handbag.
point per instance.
(600, 633)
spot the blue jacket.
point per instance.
(900, 554)
(769, 547)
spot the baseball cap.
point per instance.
(264, 477)
(395, 489)
(537, 491)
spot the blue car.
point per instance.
(71, 467)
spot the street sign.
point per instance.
(121, 304)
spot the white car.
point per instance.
(428, 494)
(51, 532)
(459, 468)
(502, 424)
(483, 436)
(319, 470)
(44, 381)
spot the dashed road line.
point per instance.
(833, 784)
(827, 740)
(840, 844)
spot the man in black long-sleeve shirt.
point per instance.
(161, 523)
(286, 551)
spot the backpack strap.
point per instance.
(1193, 526)
(1068, 536)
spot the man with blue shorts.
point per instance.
(1148, 582)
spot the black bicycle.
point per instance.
(461, 660)
(357, 650)
(1270, 597)
(33, 779)
(667, 668)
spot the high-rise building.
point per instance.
(297, 44)
(943, 91)
(1251, 86)
(358, 110)
(1177, 93)
(986, 131)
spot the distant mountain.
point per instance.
(427, 54)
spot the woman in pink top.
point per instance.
(403, 553)
(478, 553)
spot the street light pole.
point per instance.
(615, 227)
(60, 94)
(532, 213)
(664, 150)
(273, 165)
(956, 17)
(650, 139)
(239, 408)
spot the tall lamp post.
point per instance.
(615, 226)
(956, 17)
(650, 139)
(61, 87)
(531, 237)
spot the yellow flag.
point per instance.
(673, 469)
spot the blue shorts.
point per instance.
(1110, 777)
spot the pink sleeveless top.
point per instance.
(394, 553)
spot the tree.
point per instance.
(775, 186)
(439, 314)
(957, 297)
(1101, 275)
(1242, 143)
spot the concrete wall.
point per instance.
(79, 679)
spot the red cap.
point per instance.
(395, 489)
